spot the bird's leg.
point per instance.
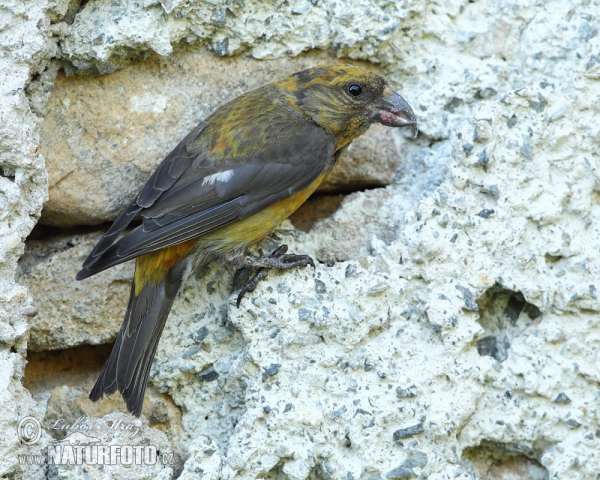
(278, 259)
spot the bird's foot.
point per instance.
(278, 259)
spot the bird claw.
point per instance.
(279, 251)
(251, 284)
(278, 259)
(290, 260)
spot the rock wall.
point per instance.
(451, 326)
(25, 52)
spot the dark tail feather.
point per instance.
(128, 366)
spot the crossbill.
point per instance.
(231, 181)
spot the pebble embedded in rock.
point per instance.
(408, 431)
(272, 369)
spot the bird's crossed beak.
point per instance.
(393, 111)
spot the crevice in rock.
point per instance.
(72, 367)
(504, 315)
(552, 258)
(324, 471)
(492, 461)
(77, 369)
(47, 232)
(75, 6)
(276, 473)
(79, 5)
(7, 173)
(317, 207)
(44, 242)
(40, 86)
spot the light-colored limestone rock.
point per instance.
(455, 315)
(24, 52)
(368, 221)
(204, 459)
(72, 313)
(104, 36)
(202, 366)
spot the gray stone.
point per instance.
(406, 470)
(562, 398)
(408, 431)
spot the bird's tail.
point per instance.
(155, 286)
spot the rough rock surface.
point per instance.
(24, 52)
(451, 330)
(102, 37)
(116, 129)
(72, 313)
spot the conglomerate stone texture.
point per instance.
(451, 326)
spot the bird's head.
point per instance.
(347, 99)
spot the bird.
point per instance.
(231, 181)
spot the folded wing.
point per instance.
(201, 186)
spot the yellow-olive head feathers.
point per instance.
(346, 99)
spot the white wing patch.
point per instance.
(218, 177)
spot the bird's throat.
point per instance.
(348, 131)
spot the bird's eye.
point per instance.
(354, 89)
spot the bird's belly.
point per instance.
(257, 226)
